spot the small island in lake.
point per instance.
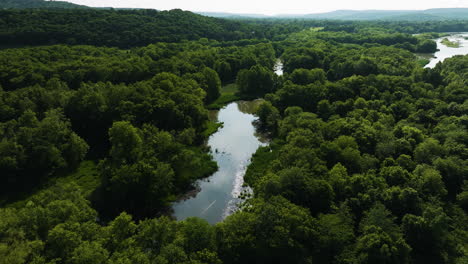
(451, 44)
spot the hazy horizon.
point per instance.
(273, 8)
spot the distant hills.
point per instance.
(37, 4)
(231, 15)
(412, 15)
(438, 14)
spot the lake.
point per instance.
(447, 52)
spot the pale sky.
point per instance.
(271, 7)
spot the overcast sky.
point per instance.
(271, 7)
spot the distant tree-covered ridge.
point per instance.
(436, 14)
(433, 15)
(121, 28)
(136, 28)
(38, 4)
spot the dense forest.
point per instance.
(137, 28)
(104, 115)
(118, 28)
(38, 4)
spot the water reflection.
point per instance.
(447, 52)
(279, 68)
(232, 147)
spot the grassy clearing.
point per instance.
(229, 93)
(86, 177)
(316, 29)
(423, 62)
(230, 89)
(222, 101)
(431, 35)
(211, 128)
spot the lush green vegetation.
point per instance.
(368, 160)
(58, 102)
(378, 156)
(122, 28)
(229, 93)
(451, 44)
(37, 4)
(129, 28)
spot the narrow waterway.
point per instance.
(232, 146)
(447, 52)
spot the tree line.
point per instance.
(126, 28)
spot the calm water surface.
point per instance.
(232, 147)
(278, 68)
(447, 52)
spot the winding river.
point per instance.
(232, 146)
(447, 52)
